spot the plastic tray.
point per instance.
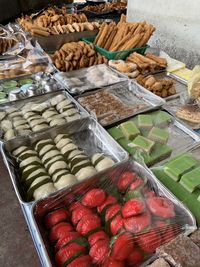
(118, 54)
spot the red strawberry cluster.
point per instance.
(108, 231)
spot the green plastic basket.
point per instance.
(115, 55)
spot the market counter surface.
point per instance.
(16, 246)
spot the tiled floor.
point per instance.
(16, 246)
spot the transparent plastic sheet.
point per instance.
(117, 102)
(183, 101)
(80, 81)
(31, 60)
(100, 209)
(13, 41)
(27, 86)
(87, 137)
(23, 117)
(179, 138)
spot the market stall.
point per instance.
(100, 137)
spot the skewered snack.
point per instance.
(123, 36)
(105, 7)
(162, 88)
(76, 55)
(55, 21)
(147, 63)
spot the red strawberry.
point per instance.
(88, 223)
(82, 261)
(59, 230)
(138, 223)
(94, 198)
(79, 213)
(137, 183)
(125, 180)
(67, 237)
(148, 193)
(160, 224)
(110, 262)
(101, 235)
(133, 207)
(112, 211)
(55, 217)
(99, 251)
(122, 247)
(149, 241)
(160, 206)
(64, 254)
(116, 225)
(109, 200)
(75, 205)
(135, 258)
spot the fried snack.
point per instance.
(125, 36)
(54, 21)
(105, 7)
(6, 43)
(162, 88)
(189, 113)
(76, 55)
(147, 63)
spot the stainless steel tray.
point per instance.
(38, 100)
(42, 207)
(87, 134)
(175, 103)
(180, 137)
(128, 94)
(180, 87)
(42, 83)
(80, 81)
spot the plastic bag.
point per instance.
(172, 64)
(116, 218)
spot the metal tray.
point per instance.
(42, 207)
(42, 83)
(86, 133)
(180, 87)
(175, 103)
(130, 94)
(53, 42)
(84, 76)
(38, 100)
(180, 138)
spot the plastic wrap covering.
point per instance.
(153, 136)
(59, 157)
(116, 218)
(24, 117)
(28, 62)
(181, 174)
(27, 86)
(80, 81)
(12, 41)
(162, 84)
(120, 101)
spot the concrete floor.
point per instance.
(16, 246)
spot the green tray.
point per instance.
(189, 199)
(115, 55)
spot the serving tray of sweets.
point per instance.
(23, 117)
(109, 186)
(117, 102)
(27, 86)
(181, 175)
(153, 137)
(61, 156)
